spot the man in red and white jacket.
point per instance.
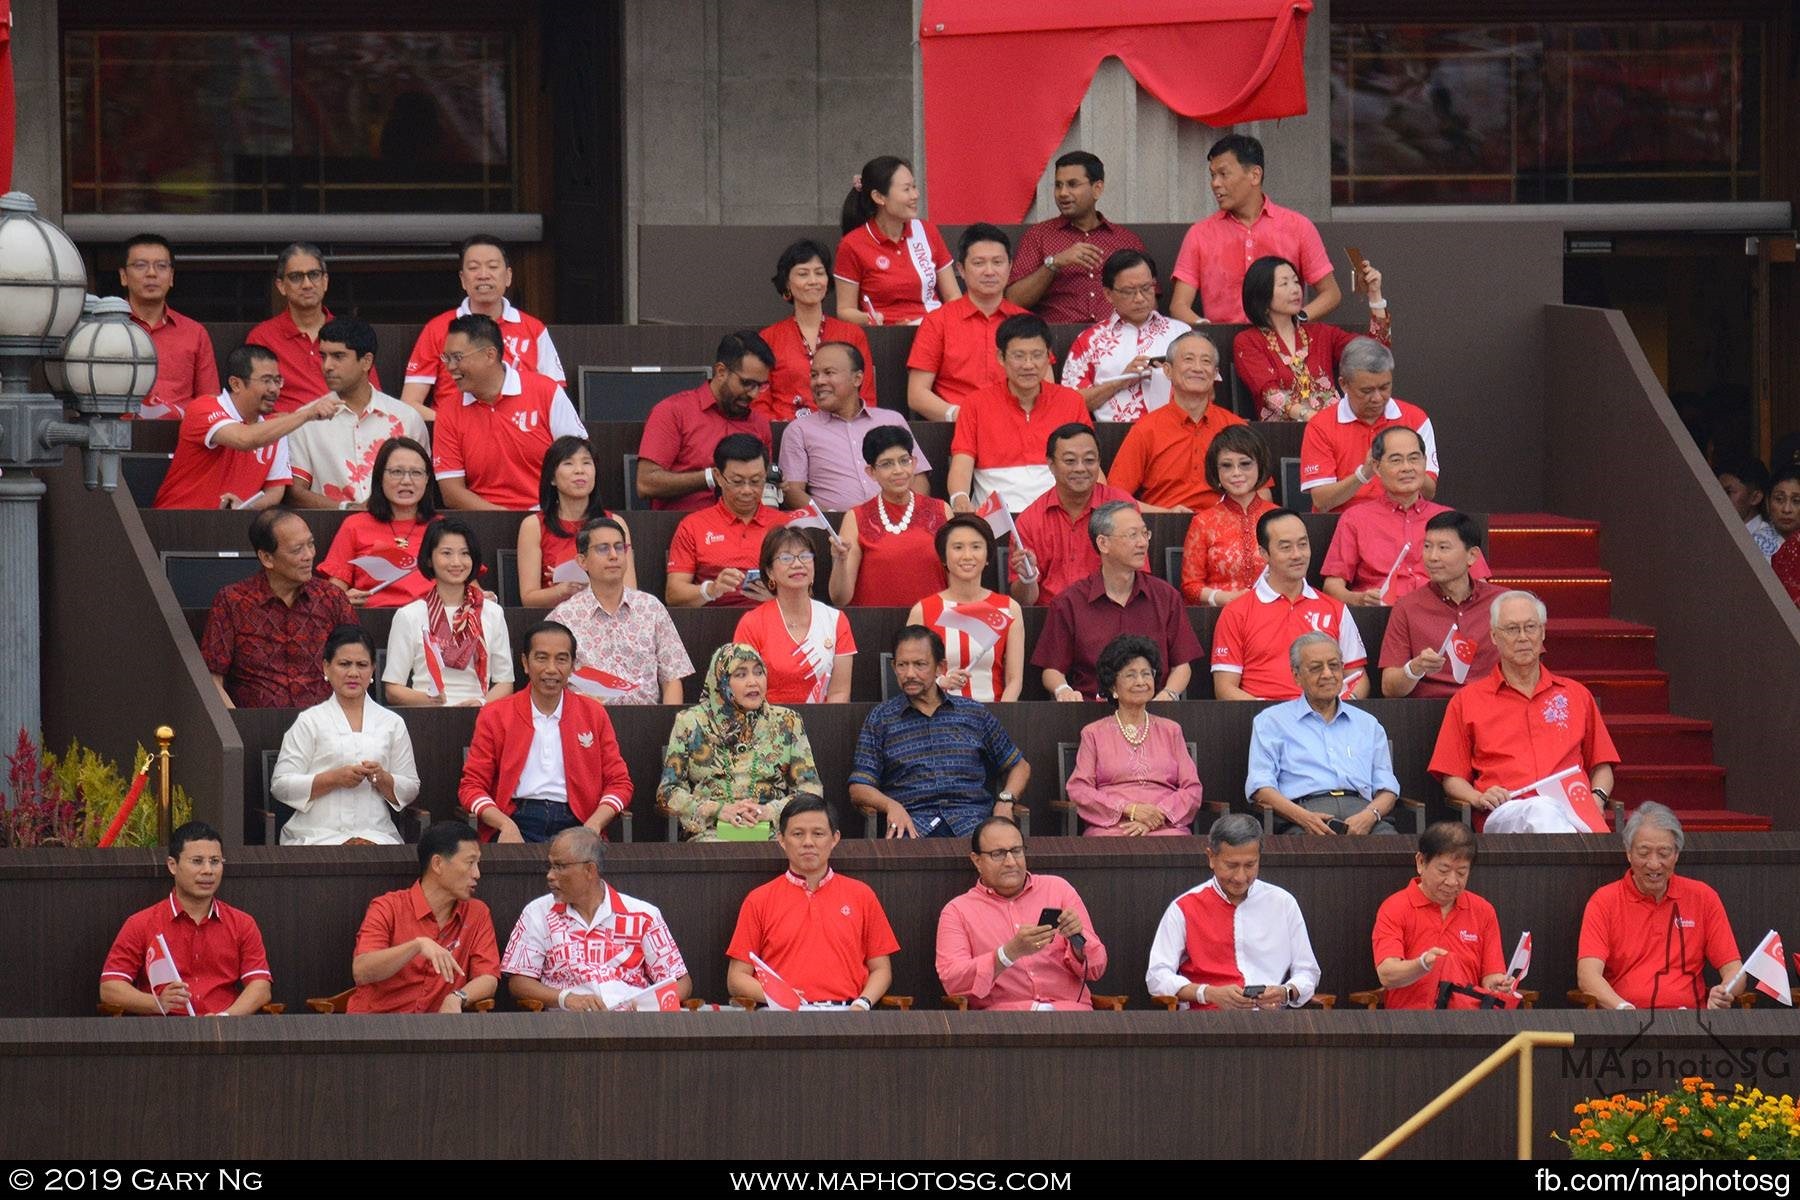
(545, 759)
(1234, 942)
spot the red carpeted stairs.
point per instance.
(1666, 758)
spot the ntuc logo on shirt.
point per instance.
(526, 421)
(712, 537)
(1468, 935)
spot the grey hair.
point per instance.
(1234, 829)
(1543, 613)
(1169, 350)
(584, 844)
(1365, 354)
(1655, 816)
(1314, 638)
(1100, 521)
(293, 248)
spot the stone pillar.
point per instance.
(37, 88)
(21, 633)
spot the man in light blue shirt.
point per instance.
(1322, 765)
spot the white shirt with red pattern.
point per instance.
(336, 458)
(1102, 351)
(628, 942)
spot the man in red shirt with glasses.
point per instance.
(301, 279)
(675, 455)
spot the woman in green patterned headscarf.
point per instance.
(734, 760)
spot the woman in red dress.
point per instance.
(885, 553)
(568, 498)
(1219, 559)
(802, 277)
(1290, 366)
(393, 528)
(1784, 515)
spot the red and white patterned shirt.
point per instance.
(336, 458)
(1102, 351)
(638, 642)
(628, 942)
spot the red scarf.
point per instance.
(460, 643)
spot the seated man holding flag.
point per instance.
(588, 947)
(1646, 938)
(1435, 931)
(545, 759)
(629, 650)
(189, 954)
(811, 937)
(925, 758)
(1437, 636)
(1524, 744)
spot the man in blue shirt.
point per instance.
(1322, 765)
(924, 758)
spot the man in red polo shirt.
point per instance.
(485, 275)
(1435, 930)
(1053, 549)
(999, 428)
(429, 948)
(1520, 725)
(1438, 634)
(1336, 465)
(714, 550)
(1256, 631)
(189, 954)
(229, 452)
(952, 355)
(1647, 938)
(1217, 251)
(301, 279)
(185, 364)
(823, 933)
(489, 449)
(675, 456)
(1163, 459)
(1377, 553)
(1057, 273)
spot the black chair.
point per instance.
(1172, 559)
(197, 575)
(629, 393)
(1291, 495)
(143, 473)
(506, 565)
(377, 686)
(890, 686)
(1065, 767)
(633, 502)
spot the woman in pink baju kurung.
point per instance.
(1133, 774)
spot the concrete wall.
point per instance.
(37, 74)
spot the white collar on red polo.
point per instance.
(799, 881)
(212, 906)
(508, 313)
(1346, 414)
(512, 387)
(1269, 595)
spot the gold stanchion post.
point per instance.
(165, 794)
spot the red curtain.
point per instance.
(6, 96)
(1003, 79)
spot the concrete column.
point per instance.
(21, 634)
(37, 87)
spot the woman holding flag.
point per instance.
(346, 764)
(1133, 774)
(568, 498)
(451, 646)
(805, 645)
(882, 554)
(983, 660)
(375, 553)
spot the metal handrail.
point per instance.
(1520, 1045)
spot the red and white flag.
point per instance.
(433, 685)
(1521, 959)
(1461, 653)
(661, 997)
(160, 969)
(811, 518)
(1349, 690)
(1765, 966)
(1389, 581)
(1572, 788)
(981, 623)
(568, 572)
(382, 570)
(993, 511)
(601, 685)
(777, 991)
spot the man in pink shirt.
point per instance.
(1217, 251)
(992, 946)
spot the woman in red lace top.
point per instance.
(1288, 365)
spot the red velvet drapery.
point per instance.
(1003, 79)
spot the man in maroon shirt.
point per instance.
(675, 454)
(1057, 272)
(265, 636)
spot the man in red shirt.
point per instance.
(714, 554)
(189, 954)
(824, 934)
(544, 759)
(229, 453)
(265, 635)
(995, 448)
(1519, 726)
(1377, 553)
(301, 279)
(952, 355)
(485, 276)
(429, 948)
(1336, 466)
(675, 455)
(185, 363)
(1438, 634)
(1052, 549)
(1218, 251)
(1163, 458)
(489, 449)
(1647, 938)
(1057, 273)
(1435, 930)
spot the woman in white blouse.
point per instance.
(469, 659)
(346, 764)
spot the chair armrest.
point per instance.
(627, 831)
(1370, 999)
(1416, 809)
(110, 1010)
(959, 1003)
(903, 1003)
(274, 1010)
(1022, 818)
(331, 1004)
(532, 1006)
(745, 1003)
(1168, 1002)
(480, 1006)
(1581, 999)
(1324, 1000)
(693, 1004)
(1108, 1003)
(1527, 999)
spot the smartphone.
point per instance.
(1050, 917)
(753, 575)
(1252, 991)
(1358, 284)
(1337, 826)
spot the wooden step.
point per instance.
(1646, 739)
(1679, 787)
(1626, 691)
(1542, 541)
(1577, 642)
(1566, 592)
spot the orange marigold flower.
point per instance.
(1607, 1147)
(1670, 1123)
(1684, 1110)
(1632, 1138)
(1581, 1110)
(1646, 1154)
(1706, 1133)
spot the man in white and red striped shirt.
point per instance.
(1234, 942)
(587, 943)
(485, 275)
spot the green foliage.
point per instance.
(71, 800)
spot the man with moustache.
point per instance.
(429, 948)
(821, 449)
(675, 469)
(952, 355)
(334, 461)
(301, 280)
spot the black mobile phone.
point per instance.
(1337, 826)
(1050, 916)
(1252, 991)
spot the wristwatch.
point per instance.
(1008, 798)
(461, 996)
(1049, 262)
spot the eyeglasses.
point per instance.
(789, 559)
(564, 866)
(610, 549)
(404, 473)
(1142, 292)
(454, 361)
(273, 381)
(197, 861)
(299, 277)
(1131, 535)
(895, 464)
(146, 267)
(1002, 854)
(750, 385)
(1530, 629)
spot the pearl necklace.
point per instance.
(912, 499)
(1125, 730)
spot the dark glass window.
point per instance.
(1550, 113)
(235, 122)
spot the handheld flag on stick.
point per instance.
(1461, 653)
(1521, 959)
(160, 969)
(981, 623)
(811, 518)
(777, 991)
(600, 684)
(1389, 581)
(1765, 966)
(1571, 787)
(383, 571)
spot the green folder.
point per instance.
(759, 832)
